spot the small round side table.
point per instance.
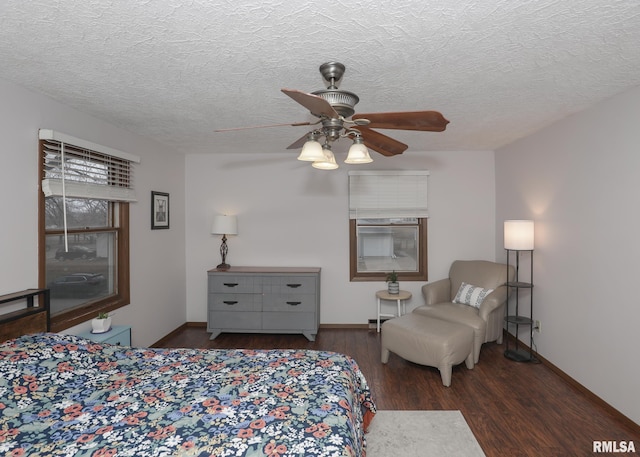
(399, 298)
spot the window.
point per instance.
(84, 227)
(388, 225)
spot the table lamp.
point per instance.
(224, 225)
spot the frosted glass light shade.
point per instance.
(224, 225)
(518, 235)
(328, 162)
(311, 151)
(358, 153)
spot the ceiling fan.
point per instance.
(335, 109)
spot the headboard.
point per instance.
(33, 318)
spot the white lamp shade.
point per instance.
(518, 235)
(328, 162)
(358, 153)
(224, 225)
(311, 152)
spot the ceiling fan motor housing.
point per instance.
(341, 100)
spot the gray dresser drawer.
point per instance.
(236, 284)
(284, 321)
(289, 284)
(235, 302)
(294, 303)
(235, 320)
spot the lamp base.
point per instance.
(223, 266)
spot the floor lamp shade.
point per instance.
(518, 235)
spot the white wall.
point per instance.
(578, 180)
(290, 214)
(157, 257)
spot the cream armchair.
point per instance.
(487, 321)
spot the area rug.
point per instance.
(421, 433)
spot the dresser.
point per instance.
(264, 300)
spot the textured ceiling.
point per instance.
(176, 70)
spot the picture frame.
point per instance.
(159, 210)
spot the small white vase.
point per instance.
(394, 288)
(101, 325)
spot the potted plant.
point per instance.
(393, 286)
(101, 323)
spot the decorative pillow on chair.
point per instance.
(471, 295)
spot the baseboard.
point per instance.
(196, 324)
(345, 326)
(579, 387)
(162, 340)
(165, 338)
(371, 321)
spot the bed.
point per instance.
(65, 395)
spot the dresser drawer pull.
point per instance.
(230, 302)
(230, 284)
(293, 303)
(294, 285)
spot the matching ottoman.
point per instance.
(428, 341)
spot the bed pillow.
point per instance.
(471, 295)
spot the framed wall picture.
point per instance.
(159, 210)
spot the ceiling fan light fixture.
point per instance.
(329, 160)
(358, 152)
(335, 109)
(311, 150)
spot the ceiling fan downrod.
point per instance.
(332, 73)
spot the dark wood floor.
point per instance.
(513, 409)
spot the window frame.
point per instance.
(120, 224)
(420, 275)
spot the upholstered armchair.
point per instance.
(479, 309)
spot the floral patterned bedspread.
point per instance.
(65, 395)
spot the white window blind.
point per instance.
(388, 194)
(81, 169)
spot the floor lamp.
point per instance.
(519, 238)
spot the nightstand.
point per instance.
(119, 335)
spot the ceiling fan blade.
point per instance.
(299, 142)
(427, 121)
(383, 144)
(295, 124)
(317, 105)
